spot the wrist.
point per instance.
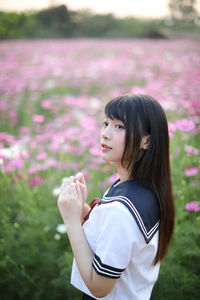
(72, 227)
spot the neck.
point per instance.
(123, 173)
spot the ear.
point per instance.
(144, 145)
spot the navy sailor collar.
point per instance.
(141, 202)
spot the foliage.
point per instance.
(52, 22)
(51, 109)
(55, 22)
(184, 11)
(59, 22)
(107, 25)
(11, 24)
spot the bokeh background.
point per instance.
(60, 62)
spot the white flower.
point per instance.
(13, 151)
(95, 104)
(47, 228)
(57, 236)
(56, 191)
(61, 228)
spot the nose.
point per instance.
(106, 133)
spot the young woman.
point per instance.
(118, 249)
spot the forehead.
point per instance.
(112, 120)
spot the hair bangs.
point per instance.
(115, 110)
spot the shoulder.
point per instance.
(133, 193)
(140, 202)
(113, 219)
(133, 190)
(112, 211)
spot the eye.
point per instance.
(105, 124)
(118, 126)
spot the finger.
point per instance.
(80, 177)
(78, 191)
(75, 190)
(65, 180)
(64, 190)
(68, 192)
(72, 188)
(72, 179)
(64, 185)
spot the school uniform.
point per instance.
(122, 231)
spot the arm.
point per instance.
(98, 285)
(71, 209)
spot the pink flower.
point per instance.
(3, 135)
(24, 130)
(16, 164)
(113, 178)
(109, 181)
(86, 175)
(46, 104)
(33, 170)
(35, 181)
(191, 171)
(41, 156)
(74, 149)
(137, 90)
(89, 123)
(25, 154)
(38, 118)
(193, 206)
(95, 151)
(55, 110)
(185, 125)
(190, 150)
(171, 128)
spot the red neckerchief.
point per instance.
(91, 205)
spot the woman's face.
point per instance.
(112, 140)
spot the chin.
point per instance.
(104, 158)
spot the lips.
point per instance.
(105, 147)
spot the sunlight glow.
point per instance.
(146, 8)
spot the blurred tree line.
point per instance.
(59, 22)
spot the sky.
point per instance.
(141, 8)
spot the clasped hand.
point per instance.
(72, 199)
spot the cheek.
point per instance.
(123, 138)
(100, 134)
(121, 142)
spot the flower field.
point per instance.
(51, 108)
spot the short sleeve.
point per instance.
(114, 240)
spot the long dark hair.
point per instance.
(142, 115)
